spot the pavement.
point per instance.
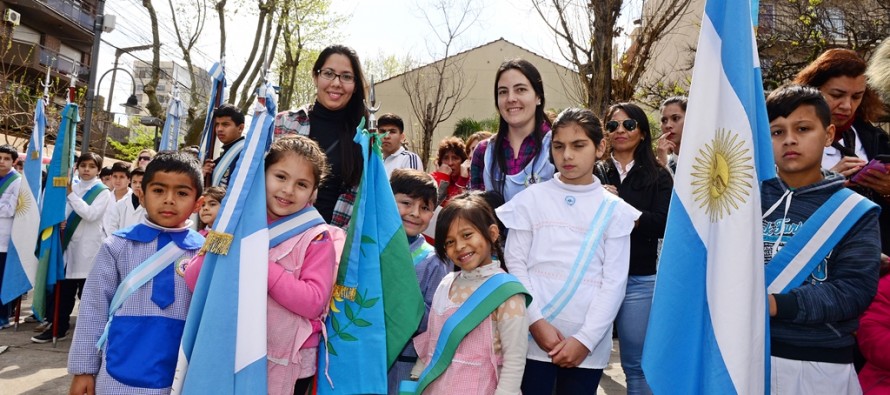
(40, 369)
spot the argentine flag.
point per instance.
(21, 260)
(707, 327)
(223, 346)
(170, 135)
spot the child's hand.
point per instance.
(83, 384)
(569, 353)
(208, 166)
(545, 334)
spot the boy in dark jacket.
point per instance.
(822, 249)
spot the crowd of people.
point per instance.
(568, 210)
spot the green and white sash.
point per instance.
(7, 180)
(74, 219)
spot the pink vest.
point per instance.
(475, 366)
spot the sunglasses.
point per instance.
(144, 158)
(629, 124)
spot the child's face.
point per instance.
(5, 163)
(290, 186)
(467, 246)
(209, 208)
(136, 185)
(170, 198)
(87, 170)
(226, 129)
(415, 212)
(119, 180)
(574, 154)
(798, 142)
(107, 181)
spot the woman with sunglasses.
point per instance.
(519, 154)
(633, 173)
(144, 157)
(331, 121)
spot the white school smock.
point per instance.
(87, 239)
(548, 223)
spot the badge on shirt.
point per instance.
(181, 265)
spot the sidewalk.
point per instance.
(40, 369)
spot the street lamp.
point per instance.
(157, 123)
(132, 102)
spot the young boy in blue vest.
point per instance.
(822, 249)
(82, 235)
(135, 352)
(10, 180)
(416, 193)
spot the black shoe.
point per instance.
(47, 336)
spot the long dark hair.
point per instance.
(351, 165)
(644, 158)
(534, 77)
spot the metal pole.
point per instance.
(91, 91)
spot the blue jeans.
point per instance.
(541, 378)
(632, 320)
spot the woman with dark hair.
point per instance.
(450, 176)
(673, 117)
(332, 121)
(518, 155)
(840, 75)
(633, 173)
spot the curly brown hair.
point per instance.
(838, 62)
(301, 146)
(451, 144)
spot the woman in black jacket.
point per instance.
(633, 173)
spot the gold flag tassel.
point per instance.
(60, 181)
(344, 292)
(217, 243)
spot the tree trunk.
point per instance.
(261, 21)
(150, 89)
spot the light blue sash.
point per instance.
(287, 227)
(223, 166)
(539, 169)
(421, 252)
(137, 278)
(819, 234)
(582, 262)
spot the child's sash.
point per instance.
(491, 294)
(582, 262)
(819, 234)
(287, 227)
(7, 180)
(147, 270)
(421, 252)
(74, 219)
(223, 166)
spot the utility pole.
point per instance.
(94, 69)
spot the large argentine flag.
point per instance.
(224, 342)
(21, 260)
(707, 328)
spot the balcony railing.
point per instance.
(62, 63)
(78, 12)
(36, 56)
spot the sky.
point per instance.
(373, 28)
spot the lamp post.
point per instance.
(132, 102)
(157, 123)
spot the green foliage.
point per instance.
(467, 126)
(141, 138)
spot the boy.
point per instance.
(81, 238)
(105, 176)
(228, 124)
(10, 180)
(120, 181)
(142, 344)
(395, 156)
(128, 211)
(415, 193)
(814, 300)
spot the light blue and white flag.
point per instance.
(170, 136)
(224, 342)
(217, 92)
(707, 327)
(21, 260)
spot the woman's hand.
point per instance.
(848, 166)
(611, 188)
(664, 147)
(876, 181)
(443, 168)
(465, 169)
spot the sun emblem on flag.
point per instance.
(722, 175)
(22, 205)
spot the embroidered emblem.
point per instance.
(181, 265)
(570, 200)
(722, 174)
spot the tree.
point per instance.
(241, 92)
(150, 88)
(436, 90)
(385, 66)
(186, 38)
(585, 32)
(793, 33)
(140, 139)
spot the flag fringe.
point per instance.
(344, 292)
(217, 243)
(60, 181)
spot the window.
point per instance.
(835, 23)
